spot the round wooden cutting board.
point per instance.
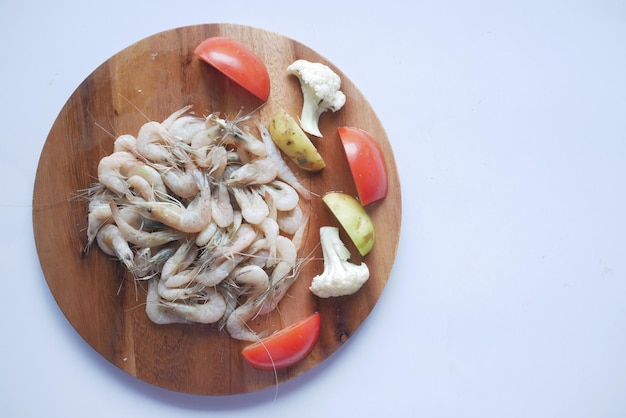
(150, 80)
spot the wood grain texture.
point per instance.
(151, 79)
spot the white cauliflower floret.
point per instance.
(320, 90)
(340, 277)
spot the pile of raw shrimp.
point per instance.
(206, 213)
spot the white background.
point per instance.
(508, 122)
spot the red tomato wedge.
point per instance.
(367, 164)
(285, 347)
(238, 63)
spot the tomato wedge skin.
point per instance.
(285, 347)
(367, 164)
(237, 62)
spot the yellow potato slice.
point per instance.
(291, 139)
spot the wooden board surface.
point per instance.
(151, 79)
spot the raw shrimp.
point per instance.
(182, 182)
(273, 212)
(206, 137)
(196, 206)
(110, 171)
(219, 239)
(231, 297)
(283, 195)
(191, 219)
(289, 221)
(214, 158)
(284, 172)
(259, 171)
(218, 271)
(181, 279)
(169, 121)
(280, 279)
(186, 127)
(253, 208)
(260, 257)
(206, 234)
(171, 294)
(270, 230)
(243, 238)
(222, 209)
(299, 234)
(237, 322)
(111, 242)
(182, 258)
(139, 237)
(125, 142)
(151, 175)
(156, 310)
(206, 311)
(99, 215)
(148, 265)
(244, 139)
(253, 277)
(141, 186)
(154, 142)
(237, 222)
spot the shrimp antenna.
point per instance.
(135, 107)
